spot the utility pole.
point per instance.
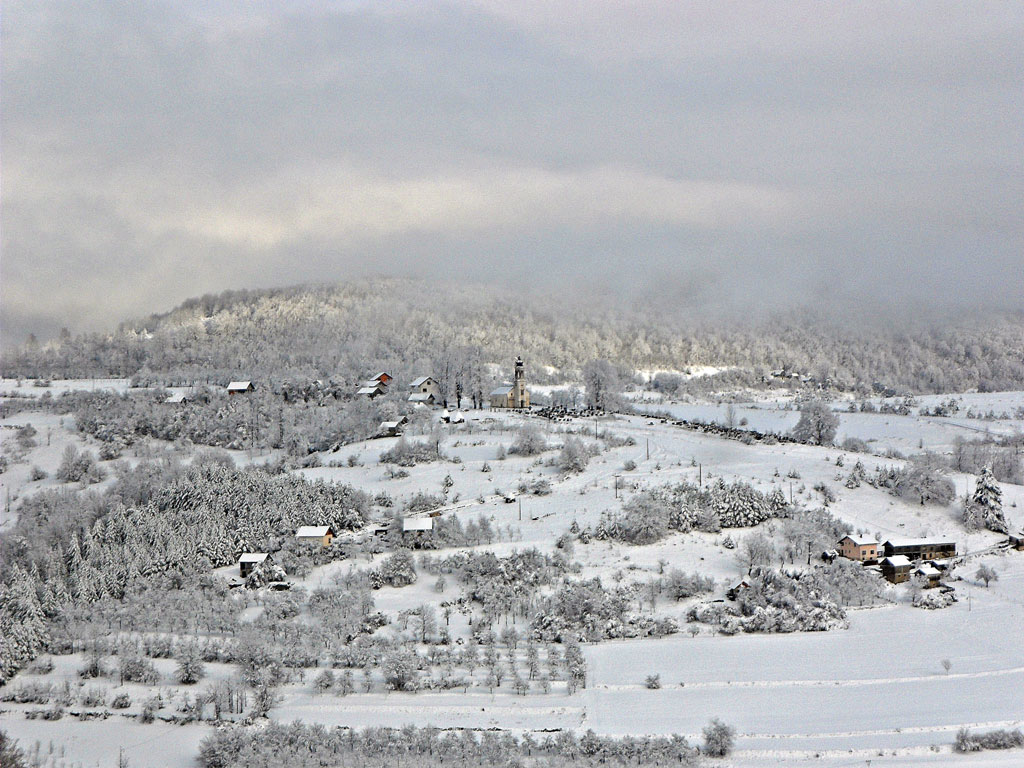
(700, 475)
(520, 500)
(648, 449)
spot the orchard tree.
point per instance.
(818, 424)
(986, 573)
(718, 738)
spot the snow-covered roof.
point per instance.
(501, 390)
(928, 570)
(919, 542)
(418, 524)
(420, 397)
(419, 382)
(390, 424)
(897, 561)
(458, 417)
(253, 557)
(313, 531)
(379, 376)
(859, 541)
(370, 390)
(238, 386)
(177, 397)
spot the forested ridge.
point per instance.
(344, 332)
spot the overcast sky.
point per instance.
(714, 154)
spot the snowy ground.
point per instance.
(875, 692)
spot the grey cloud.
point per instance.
(709, 156)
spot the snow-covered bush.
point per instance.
(76, 466)
(528, 441)
(409, 454)
(998, 739)
(574, 456)
(718, 739)
(397, 570)
(933, 600)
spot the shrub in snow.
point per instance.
(78, 466)
(855, 445)
(574, 456)
(135, 669)
(401, 668)
(190, 668)
(397, 570)
(999, 739)
(653, 682)
(406, 454)
(933, 600)
(121, 701)
(528, 441)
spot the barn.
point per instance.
(241, 387)
(249, 561)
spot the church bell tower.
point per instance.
(519, 386)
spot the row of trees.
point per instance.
(342, 332)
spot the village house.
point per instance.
(424, 390)
(514, 395)
(417, 525)
(927, 575)
(241, 387)
(896, 568)
(375, 386)
(178, 398)
(735, 590)
(920, 549)
(858, 548)
(249, 561)
(322, 533)
(1016, 540)
(391, 428)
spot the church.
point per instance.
(514, 395)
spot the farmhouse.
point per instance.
(514, 395)
(920, 549)
(391, 428)
(375, 386)
(927, 574)
(417, 524)
(322, 533)
(858, 548)
(896, 568)
(736, 588)
(240, 387)
(424, 390)
(250, 560)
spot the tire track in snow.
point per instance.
(727, 684)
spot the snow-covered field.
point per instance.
(875, 692)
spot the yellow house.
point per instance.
(856, 548)
(322, 533)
